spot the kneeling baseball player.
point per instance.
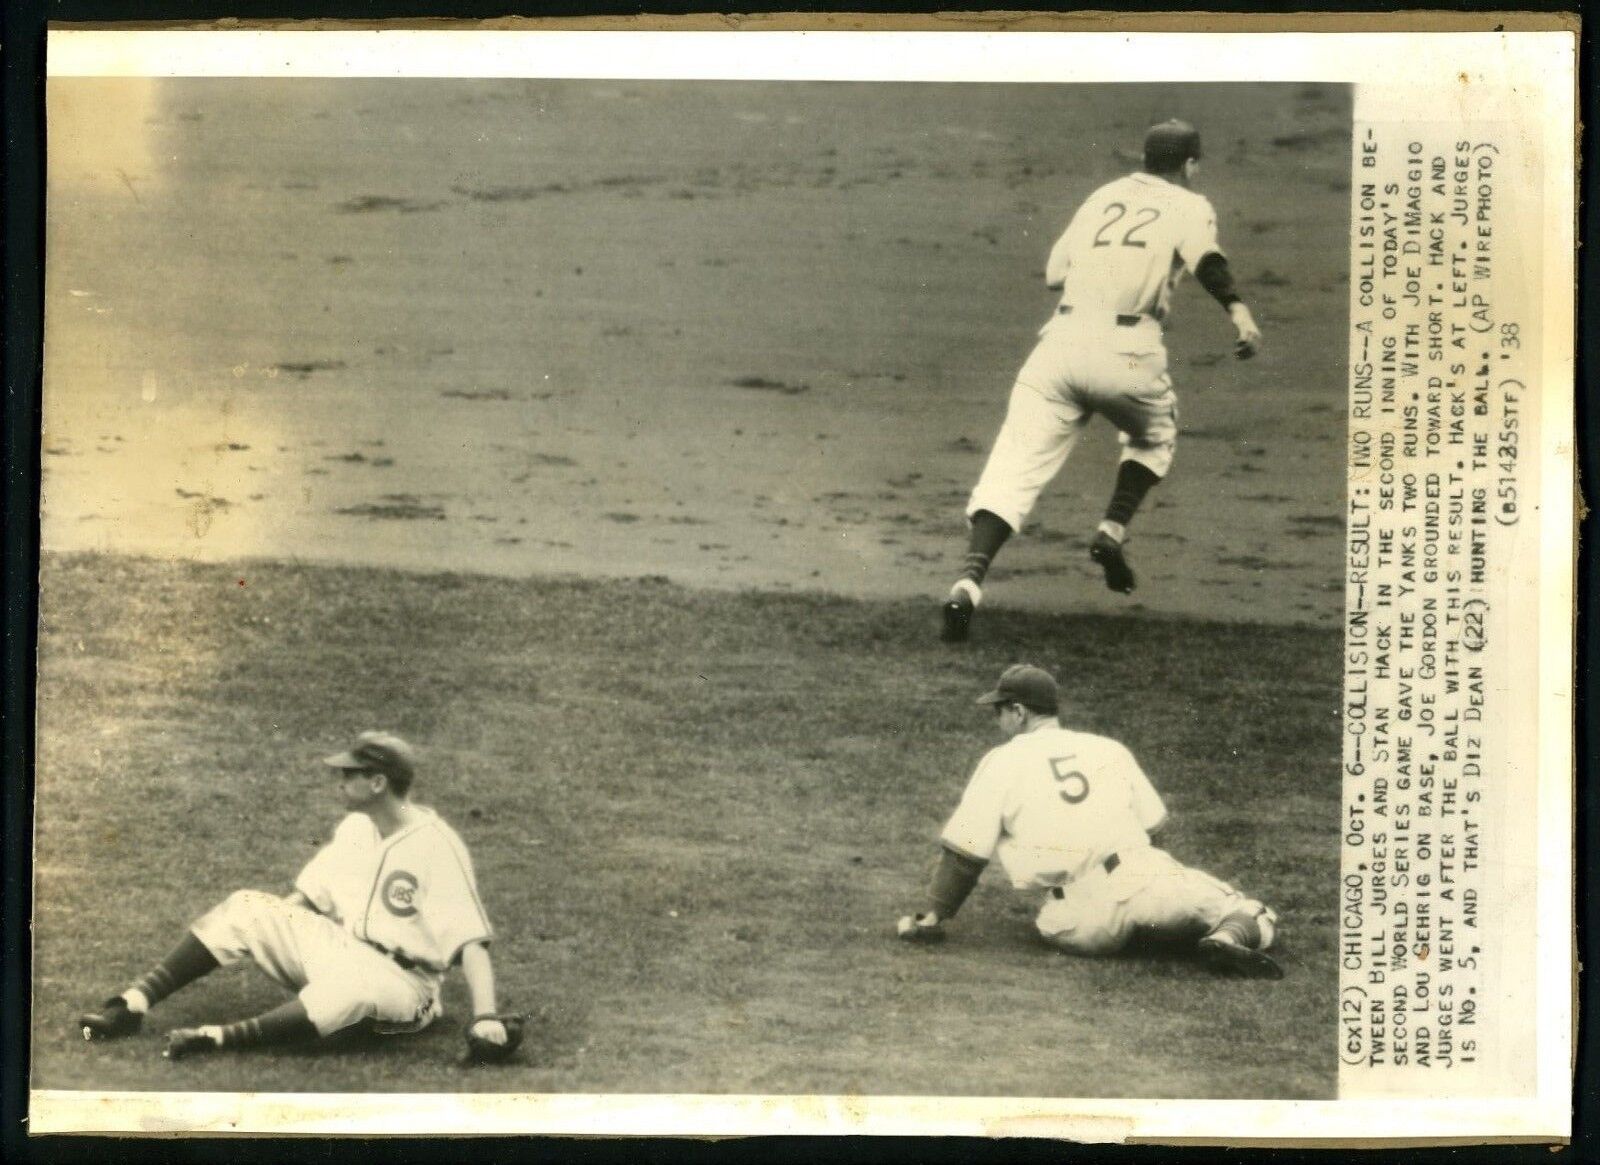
(375, 920)
(1071, 814)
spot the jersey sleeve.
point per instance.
(1198, 237)
(1055, 268)
(316, 880)
(455, 912)
(974, 829)
(1148, 808)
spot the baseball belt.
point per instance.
(1123, 321)
(1109, 865)
(399, 960)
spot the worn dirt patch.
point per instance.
(795, 327)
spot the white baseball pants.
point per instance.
(1150, 890)
(1083, 364)
(340, 979)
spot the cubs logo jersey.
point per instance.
(413, 893)
(1051, 804)
(1129, 244)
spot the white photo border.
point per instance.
(1527, 77)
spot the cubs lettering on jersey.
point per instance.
(412, 894)
(1052, 803)
(1129, 244)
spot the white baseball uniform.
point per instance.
(1071, 813)
(392, 915)
(1102, 351)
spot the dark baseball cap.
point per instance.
(378, 752)
(1169, 145)
(1022, 683)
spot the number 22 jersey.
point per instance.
(1053, 803)
(1130, 243)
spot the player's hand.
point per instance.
(490, 1030)
(920, 928)
(1249, 342)
(494, 1039)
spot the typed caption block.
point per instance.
(1439, 399)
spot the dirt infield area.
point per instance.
(737, 334)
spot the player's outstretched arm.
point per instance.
(478, 970)
(492, 1037)
(953, 879)
(1215, 276)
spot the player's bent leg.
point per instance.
(349, 982)
(365, 985)
(1082, 922)
(1237, 946)
(1146, 418)
(287, 1023)
(263, 927)
(123, 1015)
(1033, 444)
(987, 533)
(1155, 459)
(1148, 431)
(1231, 932)
(1135, 479)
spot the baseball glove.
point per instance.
(482, 1050)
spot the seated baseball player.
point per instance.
(1071, 815)
(375, 920)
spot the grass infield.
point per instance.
(694, 816)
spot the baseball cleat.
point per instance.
(1107, 551)
(957, 611)
(112, 1022)
(1222, 955)
(187, 1041)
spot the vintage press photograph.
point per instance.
(719, 587)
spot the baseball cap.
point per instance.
(1022, 683)
(382, 752)
(1169, 145)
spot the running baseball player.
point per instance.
(1071, 815)
(375, 920)
(1102, 352)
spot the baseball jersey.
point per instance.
(1130, 243)
(1052, 803)
(412, 893)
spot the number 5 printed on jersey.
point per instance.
(1074, 785)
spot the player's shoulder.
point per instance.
(1104, 748)
(355, 829)
(1117, 188)
(1022, 752)
(1150, 188)
(434, 830)
(988, 759)
(994, 764)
